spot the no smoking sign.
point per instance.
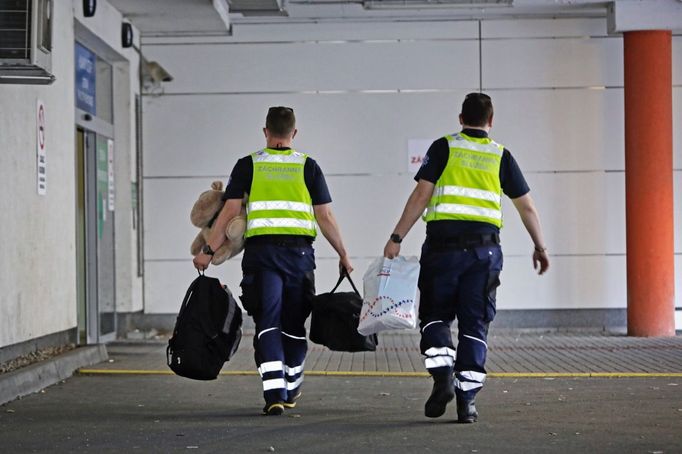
(41, 174)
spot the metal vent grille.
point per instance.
(15, 29)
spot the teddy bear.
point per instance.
(204, 212)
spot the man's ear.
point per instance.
(490, 122)
(294, 133)
(460, 120)
(265, 132)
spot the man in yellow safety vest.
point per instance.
(288, 200)
(460, 185)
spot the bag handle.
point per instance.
(344, 274)
(185, 300)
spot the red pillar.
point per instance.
(649, 183)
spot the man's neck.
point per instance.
(480, 128)
(278, 143)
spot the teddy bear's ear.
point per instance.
(217, 185)
(205, 208)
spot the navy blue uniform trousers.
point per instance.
(277, 290)
(459, 284)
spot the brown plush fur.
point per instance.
(205, 208)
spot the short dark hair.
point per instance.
(477, 109)
(280, 121)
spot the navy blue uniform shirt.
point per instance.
(513, 185)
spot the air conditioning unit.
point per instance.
(26, 42)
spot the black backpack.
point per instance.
(335, 318)
(207, 331)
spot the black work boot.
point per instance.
(466, 410)
(442, 393)
(275, 409)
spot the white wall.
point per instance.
(360, 92)
(37, 262)
(38, 257)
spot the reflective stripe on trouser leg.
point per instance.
(295, 348)
(436, 346)
(438, 358)
(268, 345)
(470, 367)
(298, 293)
(468, 382)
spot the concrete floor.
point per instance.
(345, 415)
(130, 404)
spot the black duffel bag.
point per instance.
(334, 322)
(207, 331)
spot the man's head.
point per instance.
(280, 122)
(477, 111)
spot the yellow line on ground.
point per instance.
(313, 373)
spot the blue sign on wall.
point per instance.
(86, 80)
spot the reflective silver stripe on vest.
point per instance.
(280, 205)
(280, 222)
(460, 142)
(468, 192)
(293, 158)
(455, 208)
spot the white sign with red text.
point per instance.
(41, 158)
(416, 151)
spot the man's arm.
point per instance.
(529, 216)
(330, 229)
(414, 208)
(230, 210)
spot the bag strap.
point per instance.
(344, 274)
(185, 300)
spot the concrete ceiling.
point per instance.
(172, 17)
(167, 18)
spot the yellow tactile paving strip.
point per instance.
(509, 356)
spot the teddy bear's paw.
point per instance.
(235, 228)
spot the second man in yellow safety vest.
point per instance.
(460, 185)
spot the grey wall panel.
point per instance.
(581, 214)
(546, 63)
(677, 60)
(561, 130)
(677, 130)
(571, 283)
(332, 31)
(677, 188)
(167, 282)
(367, 209)
(542, 28)
(318, 66)
(168, 230)
(359, 31)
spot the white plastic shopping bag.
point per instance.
(390, 301)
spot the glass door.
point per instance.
(95, 250)
(106, 253)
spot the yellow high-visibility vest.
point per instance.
(279, 202)
(469, 188)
